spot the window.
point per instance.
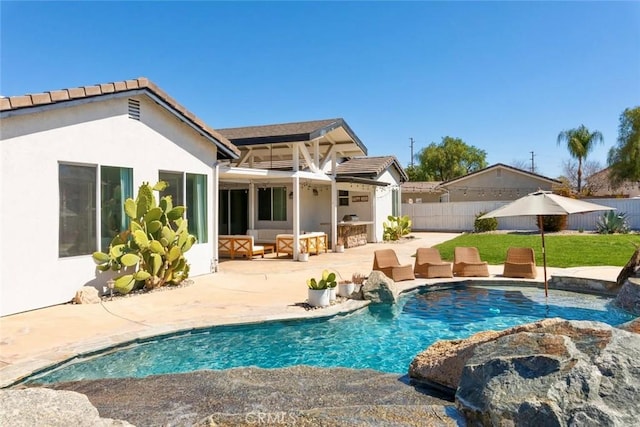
(195, 201)
(395, 196)
(272, 204)
(77, 210)
(343, 198)
(197, 206)
(115, 188)
(175, 188)
(78, 234)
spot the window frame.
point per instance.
(276, 199)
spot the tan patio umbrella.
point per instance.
(544, 203)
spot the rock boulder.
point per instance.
(45, 407)
(568, 373)
(87, 295)
(378, 288)
(442, 363)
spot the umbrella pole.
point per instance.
(544, 256)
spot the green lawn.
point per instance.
(562, 250)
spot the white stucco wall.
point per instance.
(96, 134)
(384, 200)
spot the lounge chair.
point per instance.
(386, 260)
(467, 263)
(429, 264)
(520, 262)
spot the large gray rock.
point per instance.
(577, 373)
(378, 288)
(628, 297)
(441, 364)
(51, 408)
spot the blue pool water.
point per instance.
(381, 337)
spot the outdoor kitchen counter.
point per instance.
(353, 233)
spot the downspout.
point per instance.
(334, 202)
(296, 202)
(215, 173)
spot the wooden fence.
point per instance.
(460, 216)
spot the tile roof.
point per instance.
(422, 187)
(294, 128)
(14, 103)
(370, 166)
(499, 165)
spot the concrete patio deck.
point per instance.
(242, 291)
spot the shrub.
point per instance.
(612, 222)
(482, 225)
(397, 227)
(553, 223)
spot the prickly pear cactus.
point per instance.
(150, 253)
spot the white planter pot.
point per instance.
(332, 294)
(346, 289)
(303, 257)
(319, 297)
(339, 248)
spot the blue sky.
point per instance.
(505, 77)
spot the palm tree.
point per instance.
(579, 143)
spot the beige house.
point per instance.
(496, 182)
(599, 186)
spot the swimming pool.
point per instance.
(380, 337)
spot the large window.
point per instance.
(78, 234)
(272, 204)
(77, 210)
(175, 188)
(197, 206)
(195, 200)
(395, 202)
(115, 188)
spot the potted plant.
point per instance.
(346, 288)
(358, 279)
(331, 286)
(340, 245)
(319, 289)
(303, 256)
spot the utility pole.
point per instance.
(411, 162)
(533, 166)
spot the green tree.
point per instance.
(415, 173)
(580, 142)
(450, 159)
(624, 159)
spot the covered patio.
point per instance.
(285, 178)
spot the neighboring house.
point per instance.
(496, 182)
(599, 185)
(306, 176)
(70, 157)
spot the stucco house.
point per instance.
(496, 182)
(69, 157)
(600, 186)
(315, 173)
